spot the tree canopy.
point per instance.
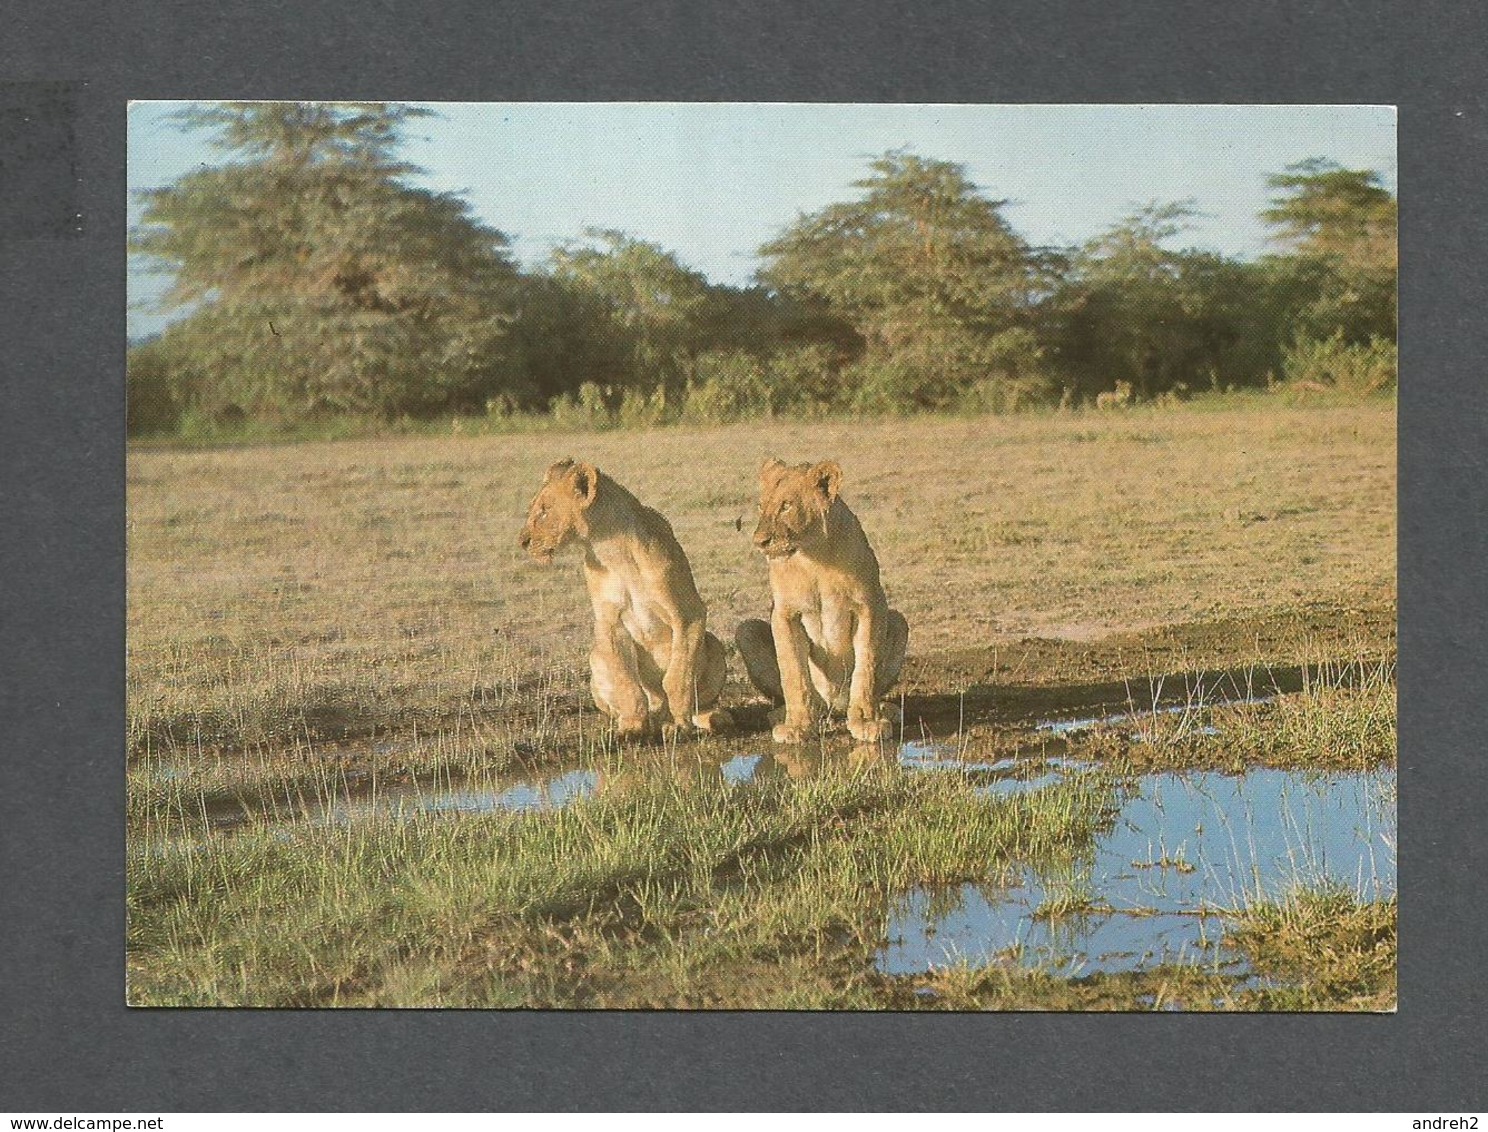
(926, 270)
(321, 280)
(1132, 308)
(1339, 227)
(652, 306)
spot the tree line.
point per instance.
(319, 282)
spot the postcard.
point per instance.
(762, 556)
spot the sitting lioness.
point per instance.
(654, 660)
(832, 642)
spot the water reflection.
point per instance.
(1003, 777)
(740, 769)
(542, 792)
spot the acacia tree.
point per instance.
(1132, 308)
(1339, 227)
(652, 307)
(564, 338)
(927, 271)
(1130, 312)
(321, 280)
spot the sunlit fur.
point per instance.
(653, 659)
(832, 642)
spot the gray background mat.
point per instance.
(67, 1042)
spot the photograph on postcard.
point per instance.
(761, 556)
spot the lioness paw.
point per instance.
(790, 733)
(713, 722)
(631, 727)
(869, 730)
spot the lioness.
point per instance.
(653, 658)
(832, 642)
(1115, 398)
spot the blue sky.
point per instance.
(712, 181)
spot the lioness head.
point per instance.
(557, 513)
(794, 501)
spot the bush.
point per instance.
(807, 379)
(587, 409)
(1359, 368)
(639, 409)
(1007, 395)
(154, 399)
(950, 370)
(728, 386)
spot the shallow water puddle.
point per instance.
(550, 792)
(917, 755)
(1182, 848)
(1005, 776)
(740, 769)
(547, 793)
(1067, 727)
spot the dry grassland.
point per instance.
(311, 624)
(341, 589)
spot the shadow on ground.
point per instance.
(1038, 679)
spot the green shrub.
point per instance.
(728, 386)
(955, 370)
(807, 379)
(639, 409)
(1360, 368)
(584, 410)
(154, 399)
(1007, 395)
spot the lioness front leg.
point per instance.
(795, 684)
(864, 722)
(712, 670)
(680, 682)
(613, 682)
(891, 658)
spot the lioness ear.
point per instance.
(585, 479)
(828, 479)
(559, 469)
(770, 470)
